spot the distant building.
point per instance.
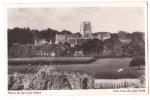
(102, 35)
(78, 53)
(41, 42)
(60, 38)
(73, 42)
(86, 30)
(125, 41)
(80, 38)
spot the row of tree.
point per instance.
(27, 36)
(112, 47)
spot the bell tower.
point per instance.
(86, 29)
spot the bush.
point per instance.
(137, 61)
(48, 78)
(53, 60)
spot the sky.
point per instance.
(110, 19)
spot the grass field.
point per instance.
(108, 68)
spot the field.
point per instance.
(104, 68)
(48, 78)
(118, 83)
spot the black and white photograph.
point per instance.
(84, 47)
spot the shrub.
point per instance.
(48, 78)
(137, 61)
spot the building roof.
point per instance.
(125, 41)
(101, 35)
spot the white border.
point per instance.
(58, 92)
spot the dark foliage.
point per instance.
(137, 45)
(137, 61)
(20, 35)
(21, 44)
(92, 47)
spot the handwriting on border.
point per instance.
(24, 92)
(130, 90)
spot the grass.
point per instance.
(108, 68)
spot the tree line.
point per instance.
(112, 47)
(27, 36)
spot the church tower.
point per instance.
(86, 30)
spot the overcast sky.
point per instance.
(110, 19)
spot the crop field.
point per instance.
(104, 68)
(118, 83)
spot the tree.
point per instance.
(78, 34)
(137, 45)
(92, 47)
(20, 35)
(123, 35)
(112, 46)
(137, 61)
(66, 32)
